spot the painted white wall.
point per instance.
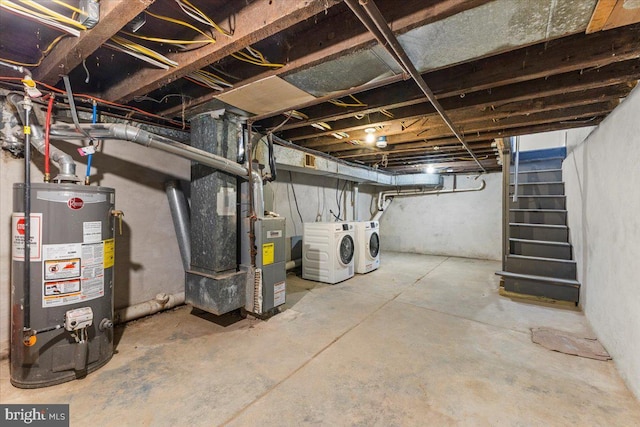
(316, 196)
(463, 224)
(559, 138)
(601, 179)
(147, 255)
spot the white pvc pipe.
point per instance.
(290, 265)
(162, 301)
(383, 195)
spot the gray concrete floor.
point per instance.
(425, 340)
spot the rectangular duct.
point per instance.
(214, 282)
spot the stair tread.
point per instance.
(520, 196)
(538, 183)
(536, 171)
(541, 159)
(568, 282)
(537, 210)
(537, 258)
(540, 242)
(527, 224)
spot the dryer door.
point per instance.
(374, 245)
(346, 250)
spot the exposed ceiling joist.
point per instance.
(431, 124)
(71, 51)
(343, 34)
(573, 53)
(503, 100)
(255, 22)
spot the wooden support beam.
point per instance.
(600, 15)
(257, 21)
(343, 34)
(71, 51)
(573, 53)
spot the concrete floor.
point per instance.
(425, 340)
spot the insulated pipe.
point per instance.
(180, 216)
(62, 160)
(139, 136)
(391, 44)
(161, 302)
(383, 195)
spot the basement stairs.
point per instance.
(540, 259)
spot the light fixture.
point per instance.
(430, 169)
(370, 137)
(381, 142)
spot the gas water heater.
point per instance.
(68, 301)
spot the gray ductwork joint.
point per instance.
(62, 160)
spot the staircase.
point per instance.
(539, 261)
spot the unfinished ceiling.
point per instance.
(312, 73)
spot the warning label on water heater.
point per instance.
(72, 272)
(17, 236)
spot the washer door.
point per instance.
(346, 250)
(374, 245)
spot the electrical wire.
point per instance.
(54, 15)
(163, 40)
(38, 17)
(99, 100)
(132, 48)
(43, 54)
(295, 198)
(339, 103)
(68, 6)
(254, 57)
(200, 16)
(208, 79)
(179, 22)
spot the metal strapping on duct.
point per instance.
(391, 44)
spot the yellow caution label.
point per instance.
(268, 250)
(27, 130)
(109, 253)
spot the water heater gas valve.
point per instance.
(78, 318)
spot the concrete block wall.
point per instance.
(602, 176)
(147, 255)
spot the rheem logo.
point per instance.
(75, 203)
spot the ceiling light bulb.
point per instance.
(370, 130)
(430, 169)
(370, 138)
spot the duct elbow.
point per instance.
(62, 160)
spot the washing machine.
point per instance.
(367, 257)
(328, 251)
